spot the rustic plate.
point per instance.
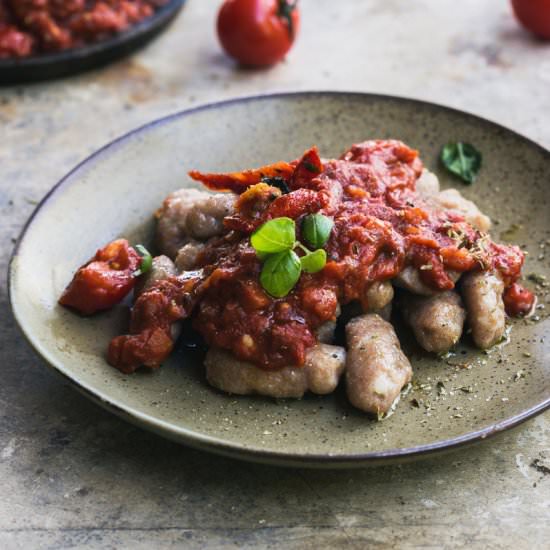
(55, 65)
(463, 398)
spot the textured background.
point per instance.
(72, 475)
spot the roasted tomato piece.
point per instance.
(238, 182)
(151, 337)
(308, 167)
(148, 348)
(103, 281)
(518, 301)
(250, 207)
(151, 341)
(295, 204)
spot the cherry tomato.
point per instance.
(518, 300)
(105, 280)
(258, 33)
(534, 15)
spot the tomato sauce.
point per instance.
(381, 226)
(151, 340)
(29, 27)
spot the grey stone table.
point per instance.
(74, 476)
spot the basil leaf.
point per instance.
(314, 261)
(462, 159)
(280, 273)
(275, 235)
(262, 255)
(146, 260)
(316, 230)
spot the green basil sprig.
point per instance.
(314, 261)
(462, 159)
(280, 273)
(316, 230)
(275, 241)
(276, 235)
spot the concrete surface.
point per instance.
(73, 476)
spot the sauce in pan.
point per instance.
(30, 27)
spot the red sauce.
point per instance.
(28, 27)
(150, 340)
(381, 226)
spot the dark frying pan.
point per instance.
(42, 67)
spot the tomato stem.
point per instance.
(286, 8)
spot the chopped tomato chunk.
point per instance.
(518, 300)
(308, 167)
(151, 337)
(103, 281)
(238, 182)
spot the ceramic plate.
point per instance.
(462, 398)
(55, 65)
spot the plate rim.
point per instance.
(215, 444)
